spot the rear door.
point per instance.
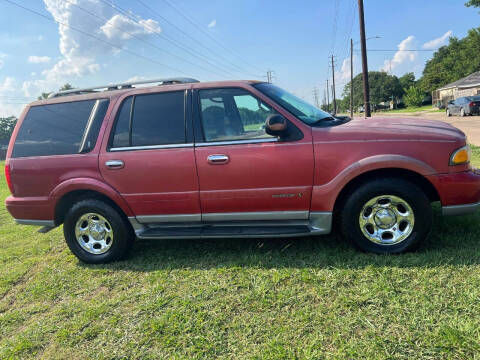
(244, 173)
(149, 157)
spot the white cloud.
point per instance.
(402, 57)
(11, 102)
(38, 59)
(345, 68)
(212, 24)
(436, 43)
(80, 53)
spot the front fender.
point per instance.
(93, 185)
(325, 195)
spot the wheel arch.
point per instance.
(425, 185)
(74, 190)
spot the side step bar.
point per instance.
(316, 224)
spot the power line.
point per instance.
(190, 20)
(96, 38)
(139, 38)
(395, 50)
(193, 39)
(120, 10)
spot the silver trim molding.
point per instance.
(460, 209)
(249, 216)
(152, 147)
(234, 142)
(49, 223)
(149, 219)
(321, 222)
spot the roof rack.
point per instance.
(121, 86)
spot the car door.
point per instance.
(244, 173)
(458, 105)
(149, 158)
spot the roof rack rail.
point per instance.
(120, 86)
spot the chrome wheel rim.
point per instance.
(386, 220)
(94, 233)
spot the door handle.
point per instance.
(218, 159)
(114, 164)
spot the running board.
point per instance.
(318, 223)
(219, 231)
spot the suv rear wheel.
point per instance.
(96, 233)
(386, 216)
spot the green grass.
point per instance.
(414, 109)
(309, 298)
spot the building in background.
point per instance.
(467, 86)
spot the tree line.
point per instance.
(457, 59)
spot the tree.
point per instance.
(452, 62)
(413, 96)
(6, 126)
(407, 80)
(382, 87)
(66, 86)
(473, 3)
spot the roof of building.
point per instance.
(468, 81)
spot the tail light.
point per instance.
(472, 104)
(9, 178)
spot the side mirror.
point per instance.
(451, 102)
(276, 125)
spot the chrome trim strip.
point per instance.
(146, 219)
(460, 209)
(152, 147)
(264, 215)
(321, 222)
(228, 236)
(49, 223)
(234, 142)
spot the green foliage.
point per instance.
(452, 62)
(413, 96)
(473, 3)
(66, 86)
(6, 126)
(382, 87)
(407, 80)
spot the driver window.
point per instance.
(233, 114)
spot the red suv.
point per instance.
(185, 159)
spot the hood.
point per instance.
(388, 128)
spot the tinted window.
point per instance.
(94, 125)
(158, 119)
(155, 119)
(122, 125)
(55, 129)
(232, 114)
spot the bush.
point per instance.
(413, 96)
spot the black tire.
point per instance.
(353, 206)
(123, 235)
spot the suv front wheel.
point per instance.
(96, 233)
(386, 216)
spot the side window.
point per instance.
(153, 119)
(232, 114)
(56, 129)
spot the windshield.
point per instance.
(298, 107)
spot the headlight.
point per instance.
(461, 156)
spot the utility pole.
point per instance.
(333, 78)
(366, 93)
(269, 76)
(351, 78)
(328, 98)
(315, 96)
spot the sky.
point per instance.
(96, 42)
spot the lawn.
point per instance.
(309, 298)
(427, 108)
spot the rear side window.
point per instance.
(60, 129)
(149, 120)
